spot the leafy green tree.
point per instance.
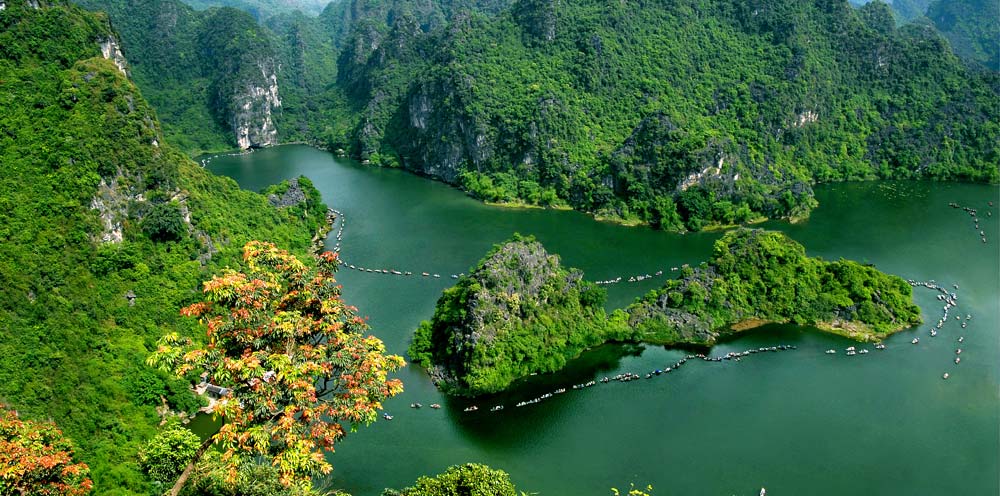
(166, 455)
(293, 357)
(470, 479)
(164, 222)
(36, 460)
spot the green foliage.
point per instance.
(757, 275)
(166, 455)
(75, 132)
(517, 312)
(264, 9)
(213, 477)
(164, 222)
(971, 27)
(622, 110)
(470, 479)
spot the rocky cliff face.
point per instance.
(442, 142)
(254, 102)
(111, 51)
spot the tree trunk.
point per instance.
(207, 443)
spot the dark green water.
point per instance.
(797, 423)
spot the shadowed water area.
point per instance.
(796, 422)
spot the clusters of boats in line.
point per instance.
(631, 376)
(853, 351)
(208, 160)
(951, 301)
(636, 278)
(975, 217)
(339, 216)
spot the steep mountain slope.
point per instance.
(972, 27)
(105, 232)
(684, 112)
(221, 79)
(904, 10)
(265, 9)
(211, 75)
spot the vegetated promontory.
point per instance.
(757, 277)
(518, 312)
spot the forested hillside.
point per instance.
(681, 113)
(264, 9)
(246, 74)
(972, 27)
(904, 10)
(211, 76)
(105, 232)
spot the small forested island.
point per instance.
(757, 277)
(518, 312)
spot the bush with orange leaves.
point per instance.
(36, 460)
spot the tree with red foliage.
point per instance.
(36, 460)
(293, 357)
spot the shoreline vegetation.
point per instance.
(518, 312)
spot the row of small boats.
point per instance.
(636, 278)
(951, 301)
(206, 161)
(975, 217)
(631, 376)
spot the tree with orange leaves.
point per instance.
(35, 459)
(293, 358)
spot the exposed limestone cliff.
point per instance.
(254, 102)
(111, 51)
(112, 204)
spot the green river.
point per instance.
(798, 422)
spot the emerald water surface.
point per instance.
(799, 422)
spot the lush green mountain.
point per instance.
(708, 110)
(221, 79)
(105, 232)
(972, 27)
(517, 312)
(904, 10)
(757, 277)
(680, 114)
(211, 76)
(265, 9)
